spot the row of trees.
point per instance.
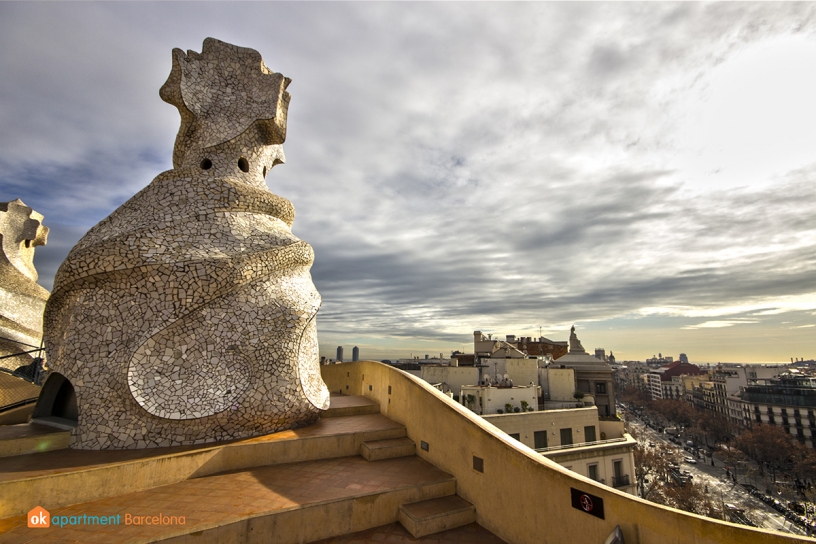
(653, 466)
(706, 427)
(772, 448)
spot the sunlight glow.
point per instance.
(752, 117)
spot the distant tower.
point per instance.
(355, 354)
(683, 358)
(600, 353)
(340, 354)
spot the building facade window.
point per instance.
(589, 433)
(515, 435)
(540, 438)
(617, 470)
(600, 388)
(592, 472)
(566, 437)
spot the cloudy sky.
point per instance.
(646, 171)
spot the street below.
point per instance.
(721, 487)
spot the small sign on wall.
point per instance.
(585, 502)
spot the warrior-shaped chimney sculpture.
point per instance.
(188, 314)
(23, 300)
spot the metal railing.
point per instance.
(15, 391)
(620, 481)
(581, 445)
(21, 386)
(12, 406)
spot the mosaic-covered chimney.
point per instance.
(22, 300)
(188, 315)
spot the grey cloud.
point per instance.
(455, 165)
(48, 258)
(86, 190)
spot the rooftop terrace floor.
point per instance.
(225, 498)
(54, 462)
(395, 533)
(240, 497)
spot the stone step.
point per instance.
(286, 504)
(472, 533)
(29, 438)
(390, 448)
(347, 405)
(18, 415)
(61, 478)
(434, 515)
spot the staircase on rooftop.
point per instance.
(353, 470)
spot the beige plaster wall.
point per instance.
(523, 371)
(611, 429)
(520, 495)
(454, 376)
(561, 382)
(495, 398)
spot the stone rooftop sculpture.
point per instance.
(188, 314)
(574, 343)
(22, 300)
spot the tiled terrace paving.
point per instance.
(291, 502)
(54, 462)
(395, 533)
(234, 497)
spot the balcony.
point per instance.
(620, 481)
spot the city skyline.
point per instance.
(643, 171)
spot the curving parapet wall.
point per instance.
(521, 496)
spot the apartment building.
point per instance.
(576, 439)
(788, 401)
